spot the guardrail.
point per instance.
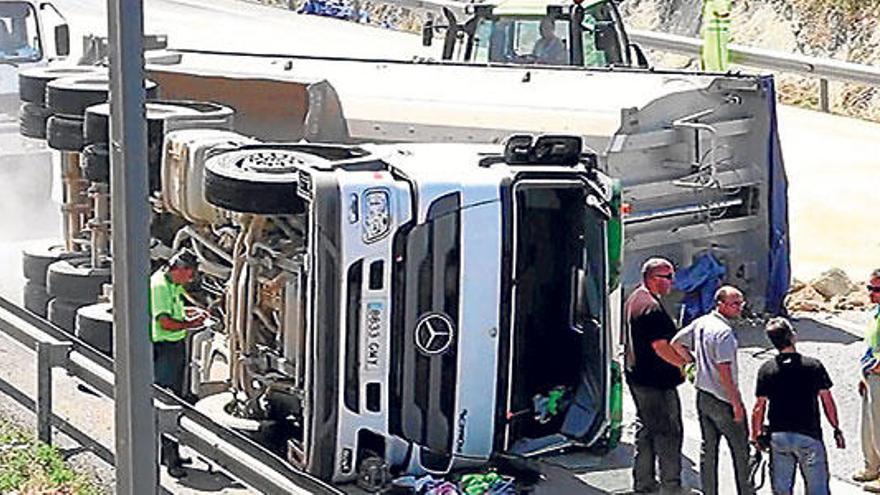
(236, 454)
(822, 68)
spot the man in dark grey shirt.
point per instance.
(719, 404)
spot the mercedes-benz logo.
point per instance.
(434, 334)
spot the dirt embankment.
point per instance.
(847, 30)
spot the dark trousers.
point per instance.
(716, 421)
(169, 365)
(658, 437)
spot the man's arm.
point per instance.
(732, 392)
(683, 343)
(830, 409)
(169, 323)
(668, 353)
(758, 413)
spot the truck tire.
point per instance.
(76, 281)
(32, 82)
(262, 181)
(35, 298)
(204, 114)
(63, 313)
(72, 95)
(94, 326)
(64, 133)
(214, 407)
(32, 120)
(36, 260)
(96, 163)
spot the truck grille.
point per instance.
(426, 287)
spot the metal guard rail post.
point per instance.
(238, 455)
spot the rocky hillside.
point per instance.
(841, 29)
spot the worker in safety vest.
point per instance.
(168, 330)
(716, 35)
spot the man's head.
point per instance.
(548, 27)
(182, 267)
(657, 275)
(729, 301)
(781, 333)
(874, 286)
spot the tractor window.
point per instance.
(19, 38)
(601, 39)
(522, 40)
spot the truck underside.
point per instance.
(697, 154)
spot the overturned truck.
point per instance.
(697, 154)
(407, 306)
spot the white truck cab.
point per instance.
(31, 34)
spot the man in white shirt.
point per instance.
(711, 343)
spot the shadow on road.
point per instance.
(208, 481)
(609, 473)
(752, 335)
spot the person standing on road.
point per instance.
(790, 384)
(869, 389)
(720, 408)
(653, 371)
(168, 333)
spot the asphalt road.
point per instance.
(830, 162)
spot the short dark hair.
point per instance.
(875, 274)
(780, 332)
(184, 259)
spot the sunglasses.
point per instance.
(667, 276)
(872, 288)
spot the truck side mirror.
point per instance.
(428, 33)
(635, 52)
(62, 40)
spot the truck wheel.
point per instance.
(32, 120)
(64, 133)
(215, 407)
(72, 95)
(262, 181)
(35, 298)
(63, 313)
(36, 260)
(373, 473)
(32, 82)
(96, 163)
(94, 326)
(206, 115)
(76, 281)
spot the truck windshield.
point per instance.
(519, 39)
(19, 37)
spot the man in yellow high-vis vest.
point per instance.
(168, 330)
(716, 35)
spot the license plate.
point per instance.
(373, 320)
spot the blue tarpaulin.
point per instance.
(699, 283)
(779, 259)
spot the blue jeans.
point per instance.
(789, 450)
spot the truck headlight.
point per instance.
(377, 215)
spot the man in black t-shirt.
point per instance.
(653, 371)
(791, 383)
